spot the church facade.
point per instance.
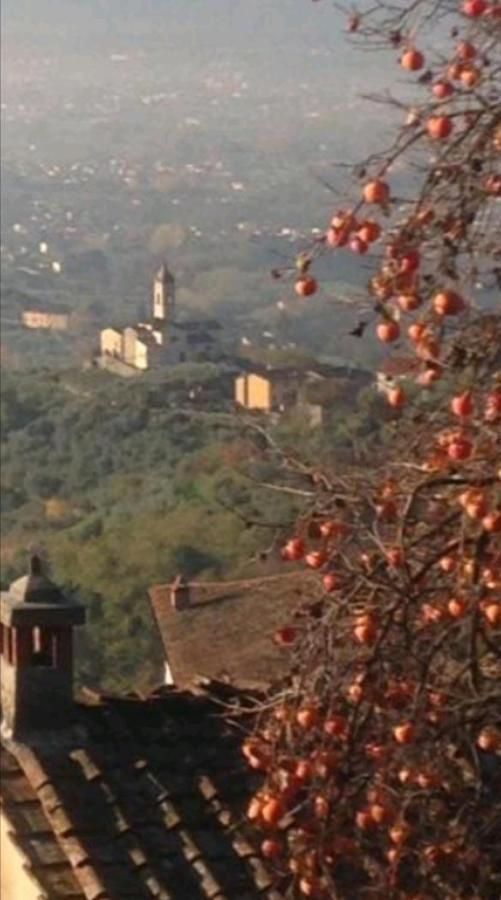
(164, 340)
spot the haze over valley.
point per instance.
(203, 133)
(206, 132)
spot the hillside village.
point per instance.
(171, 339)
(164, 341)
(255, 652)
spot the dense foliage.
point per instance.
(124, 484)
(382, 751)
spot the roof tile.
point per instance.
(226, 629)
(155, 812)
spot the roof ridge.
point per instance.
(252, 581)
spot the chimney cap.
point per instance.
(180, 581)
(180, 593)
(35, 599)
(35, 587)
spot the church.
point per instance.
(165, 340)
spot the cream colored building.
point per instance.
(129, 345)
(142, 358)
(51, 321)
(111, 342)
(17, 879)
(254, 392)
(307, 392)
(162, 341)
(275, 391)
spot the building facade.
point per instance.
(44, 319)
(161, 342)
(275, 390)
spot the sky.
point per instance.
(261, 22)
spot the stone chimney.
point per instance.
(180, 593)
(36, 635)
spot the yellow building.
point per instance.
(142, 354)
(254, 391)
(309, 392)
(51, 321)
(162, 341)
(273, 391)
(17, 881)
(111, 342)
(129, 346)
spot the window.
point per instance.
(43, 648)
(9, 646)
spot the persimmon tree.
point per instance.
(381, 753)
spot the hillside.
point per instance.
(125, 484)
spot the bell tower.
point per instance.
(163, 294)
(37, 623)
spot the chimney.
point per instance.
(36, 631)
(179, 593)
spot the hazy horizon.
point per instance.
(218, 120)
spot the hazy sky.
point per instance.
(262, 21)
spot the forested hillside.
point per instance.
(124, 484)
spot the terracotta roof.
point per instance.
(33, 834)
(227, 629)
(144, 799)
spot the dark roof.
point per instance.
(199, 337)
(35, 600)
(301, 373)
(227, 629)
(196, 324)
(35, 587)
(145, 799)
(33, 833)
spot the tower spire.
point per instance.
(163, 293)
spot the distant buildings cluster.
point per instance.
(309, 391)
(46, 317)
(164, 340)
(168, 339)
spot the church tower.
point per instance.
(163, 294)
(37, 623)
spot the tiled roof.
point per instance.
(144, 800)
(33, 834)
(227, 630)
(301, 373)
